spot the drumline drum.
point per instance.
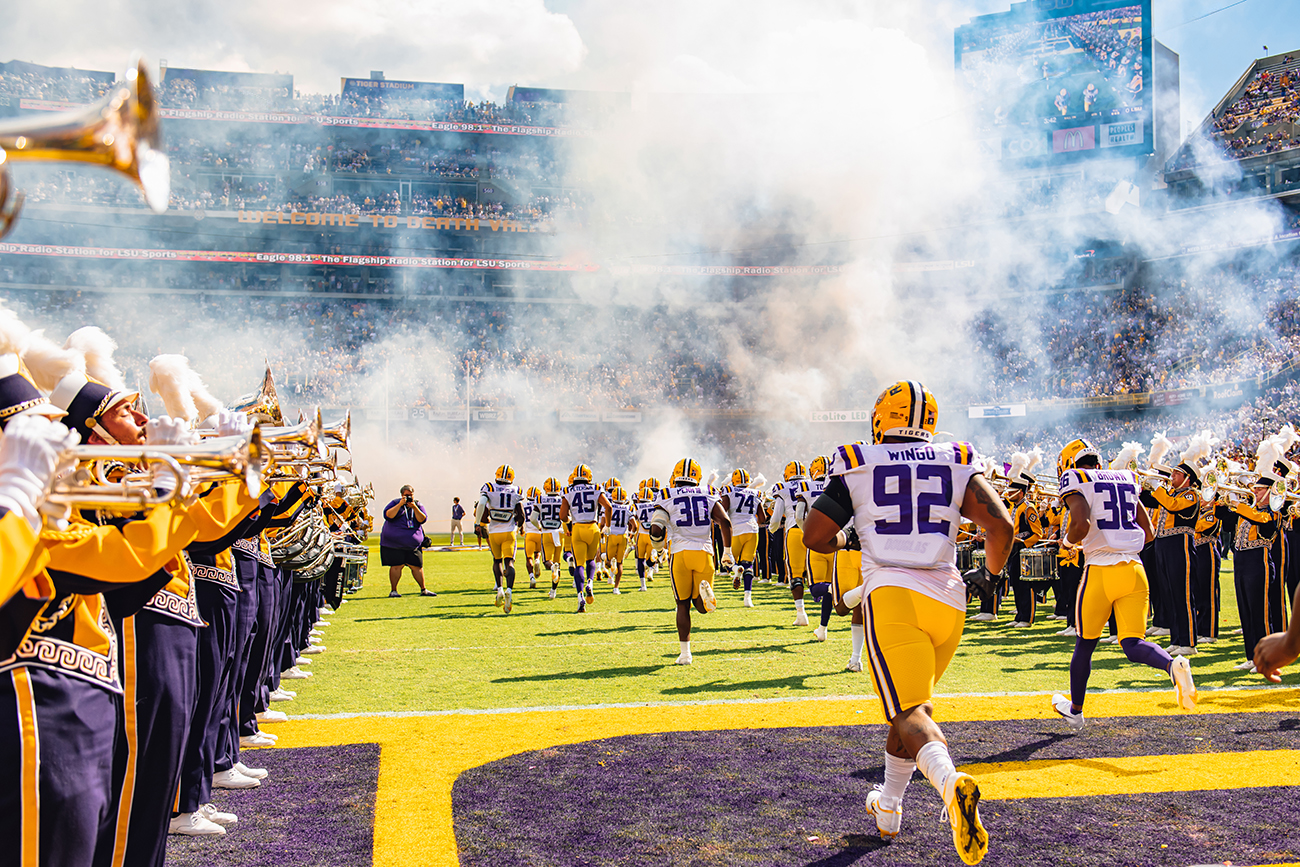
(1037, 565)
(965, 556)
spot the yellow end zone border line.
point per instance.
(422, 754)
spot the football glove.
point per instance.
(981, 579)
(851, 540)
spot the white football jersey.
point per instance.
(690, 522)
(502, 500)
(786, 494)
(619, 515)
(584, 502)
(744, 503)
(645, 510)
(1114, 535)
(907, 509)
(547, 509)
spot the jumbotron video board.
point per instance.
(1059, 80)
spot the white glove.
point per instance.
(231, 424)
(167, 431)
(29, 455)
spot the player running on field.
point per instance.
(796, 554)
(1112, 525)
(583, 503)
(548, 518)
(684, 516)
(907, 497)
(743, 501)
(620, 517)
(501, 506)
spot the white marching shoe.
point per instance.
(281, 695)
(233, 779)
(194, 825)
(255, 773)
(217, 817)
(272, 716)
(983, 616)
(254, 741)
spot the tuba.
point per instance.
(122, 131)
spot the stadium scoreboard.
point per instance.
(1059, 80)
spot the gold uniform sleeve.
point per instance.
(220, 509)
(126, 555)
(21, 555)
(1175, 502)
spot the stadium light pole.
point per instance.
(387, 405)
(467, 403)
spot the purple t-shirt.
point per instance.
(404, 531)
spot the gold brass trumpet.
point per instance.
(217, 459)
(121, 131)
(264, 404)
(304, 438)
(340, 433)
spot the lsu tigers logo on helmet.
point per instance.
(581, 473)
(533, 493)
(505, 474)
(819, 467)
(739, 478)
(687, 469)
(551, 485)
(905, 409)
(611, 483)
(1072, 452)
(652, 484)
(617, 494)
(794, 470)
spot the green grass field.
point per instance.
(458, 651)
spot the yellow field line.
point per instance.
(421, 757)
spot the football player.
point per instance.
(532, 535)
(907, 496)
(583, 502)
(645, 507)
(684, 515)
(744, 506)
(620, 514)
(548, 511)
(1108, 519)
(500, 505)
(795, 552)
(820, 567)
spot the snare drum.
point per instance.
(965, 556)
(1037, 565)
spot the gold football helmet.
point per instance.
(551, 485)
(581, 473)
(739, 478)
(687, 469)
(533, 493)
(1071, 453)
(652, 484)
(905, 409)
(819, 467)
(612, 482)
(617, 494)
(506, 474)
(794, 470)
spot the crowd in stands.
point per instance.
(69, 87)
(1262, 120)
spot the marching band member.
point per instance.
(907, 496)
(1029, 529)
(1177, 507)
(500, 503)
(787, 493)
(1108, 520)
(1259, 591)
(684, 515)
(745, 509)
(1209, 525)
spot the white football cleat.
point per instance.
(961, 795)
(888, 821)
(801, 618)
(706, 596)
(983, 616)
(233, 779)
(215, 816)
(616, 592)
(854, 665)
(749, 599)
(684, 659)
(550, 595)
(255, 773)
(194, 825)
(509, 602)
(501, 597)
(820, 633)
(272, 716)
(1062, 705)
(1181, 674)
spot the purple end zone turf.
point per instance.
(317, 808)
(757, 796)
